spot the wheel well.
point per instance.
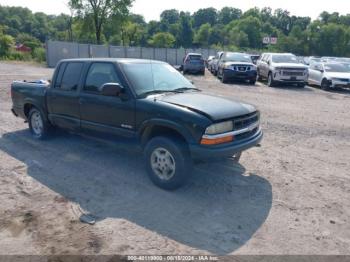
(155, 131)
(27, 108)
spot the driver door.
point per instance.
(105, 114)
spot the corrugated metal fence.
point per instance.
(56, 50)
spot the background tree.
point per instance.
(162, 40)
(100, 11)
(203, 35)
(203, 16)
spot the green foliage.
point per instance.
(28, 40)
(203, 16)
(203, 34)
(109, 21)
(17, 56)
(162, 40)
(39, 54)
(100, 11)
(6, 43)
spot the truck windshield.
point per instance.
(148, 78)
(285, 59)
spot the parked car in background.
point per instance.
(326, 59)
(254, 58)
(308, 60)
(214, 63)
(207, 62)
(329, 75)
(193, 63)
(147, 103)
(236, 66)
(279, 68)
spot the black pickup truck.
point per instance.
(148, 102)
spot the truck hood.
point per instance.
(213, 107)
(290, 65)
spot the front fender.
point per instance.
(147, 126)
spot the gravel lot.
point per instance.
(290, 196)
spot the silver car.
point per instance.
(215, 63)
(329, 75)
(279, 68)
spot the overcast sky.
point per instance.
(151, 9)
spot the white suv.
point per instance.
(282, 68)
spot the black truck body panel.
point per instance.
(188, 114)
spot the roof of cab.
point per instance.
(113, 60)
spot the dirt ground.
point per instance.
(289, 196)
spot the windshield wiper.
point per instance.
(158, 91)
(182, 89)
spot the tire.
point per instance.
(168, 162)
(236, 157)
(223, 78)
(203, 73)
(325, 84)
(38, 125)
(252, 82)
(270, 81)
(259, 78)
(302, 85)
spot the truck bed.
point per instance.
(23, 92)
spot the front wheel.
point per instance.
(236, 157)
(223, 78)
(270, 81)
(168, 162)
(252, 81)
(38, 126)
(325, 84)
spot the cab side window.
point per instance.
(98, 75)
(71, 76)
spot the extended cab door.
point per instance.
(63, 96)
(106, 114)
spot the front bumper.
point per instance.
(337, 83)
(225, 150)
(240, 75)
(289, 79)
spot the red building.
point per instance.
(23, 48)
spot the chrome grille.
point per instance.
(245, 121)
(293, 73)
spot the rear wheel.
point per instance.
(168, 162)
(38, 125)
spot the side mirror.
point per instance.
(268, 62)
(112, 89)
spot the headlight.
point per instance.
(219, 128)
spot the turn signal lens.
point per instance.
(216, 141)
